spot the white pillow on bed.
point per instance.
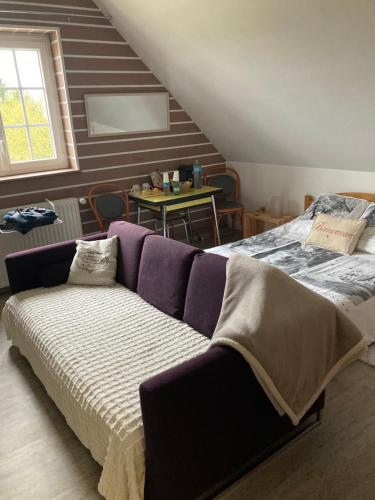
(369, 215)
(367, 240)
(95, 263)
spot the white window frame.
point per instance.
(42, 44)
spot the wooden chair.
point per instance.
(109, 202)
(226, 203)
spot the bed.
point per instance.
(348, 281)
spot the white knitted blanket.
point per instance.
(92, 347)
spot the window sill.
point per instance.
(31, 175)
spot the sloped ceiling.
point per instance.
(269, 81)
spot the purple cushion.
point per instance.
(205, 292)
(164, 273)
(130, 243)
(55, 274)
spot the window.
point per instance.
(31, 136)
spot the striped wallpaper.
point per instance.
(98, 60)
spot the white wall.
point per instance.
(259, 182)
(287, 82)
(273, 83)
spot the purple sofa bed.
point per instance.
(197, 415)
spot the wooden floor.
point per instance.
(41, 459)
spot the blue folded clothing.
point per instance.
(25, 219)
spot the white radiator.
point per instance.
(71, 228)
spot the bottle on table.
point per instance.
(166, 183)
(176, 186)
(197, 174)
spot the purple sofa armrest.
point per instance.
(204, 420)
(42, 266)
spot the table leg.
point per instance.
(138, 214)
(190, 226)
(164, 216)
(215, 217)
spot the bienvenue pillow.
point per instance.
(335, 233)
(95, 263)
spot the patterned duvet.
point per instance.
(348, 281)
(92, 347)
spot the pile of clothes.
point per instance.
(25, 219)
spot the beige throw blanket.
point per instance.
(294, 340)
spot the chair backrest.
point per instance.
(229, 181)
(109, 202)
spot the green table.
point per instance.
(171, 202)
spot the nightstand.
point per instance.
(254, 222)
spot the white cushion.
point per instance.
(335, 233)
(366, 242)
(95, 263)
(369, 215)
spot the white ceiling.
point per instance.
(269, 81)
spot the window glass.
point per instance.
(36, 106)
(8, 74)
(41, 143)
(17, 144)
(11, 107)
(25, 105)
(28, 66)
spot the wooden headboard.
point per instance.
(364, 196)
